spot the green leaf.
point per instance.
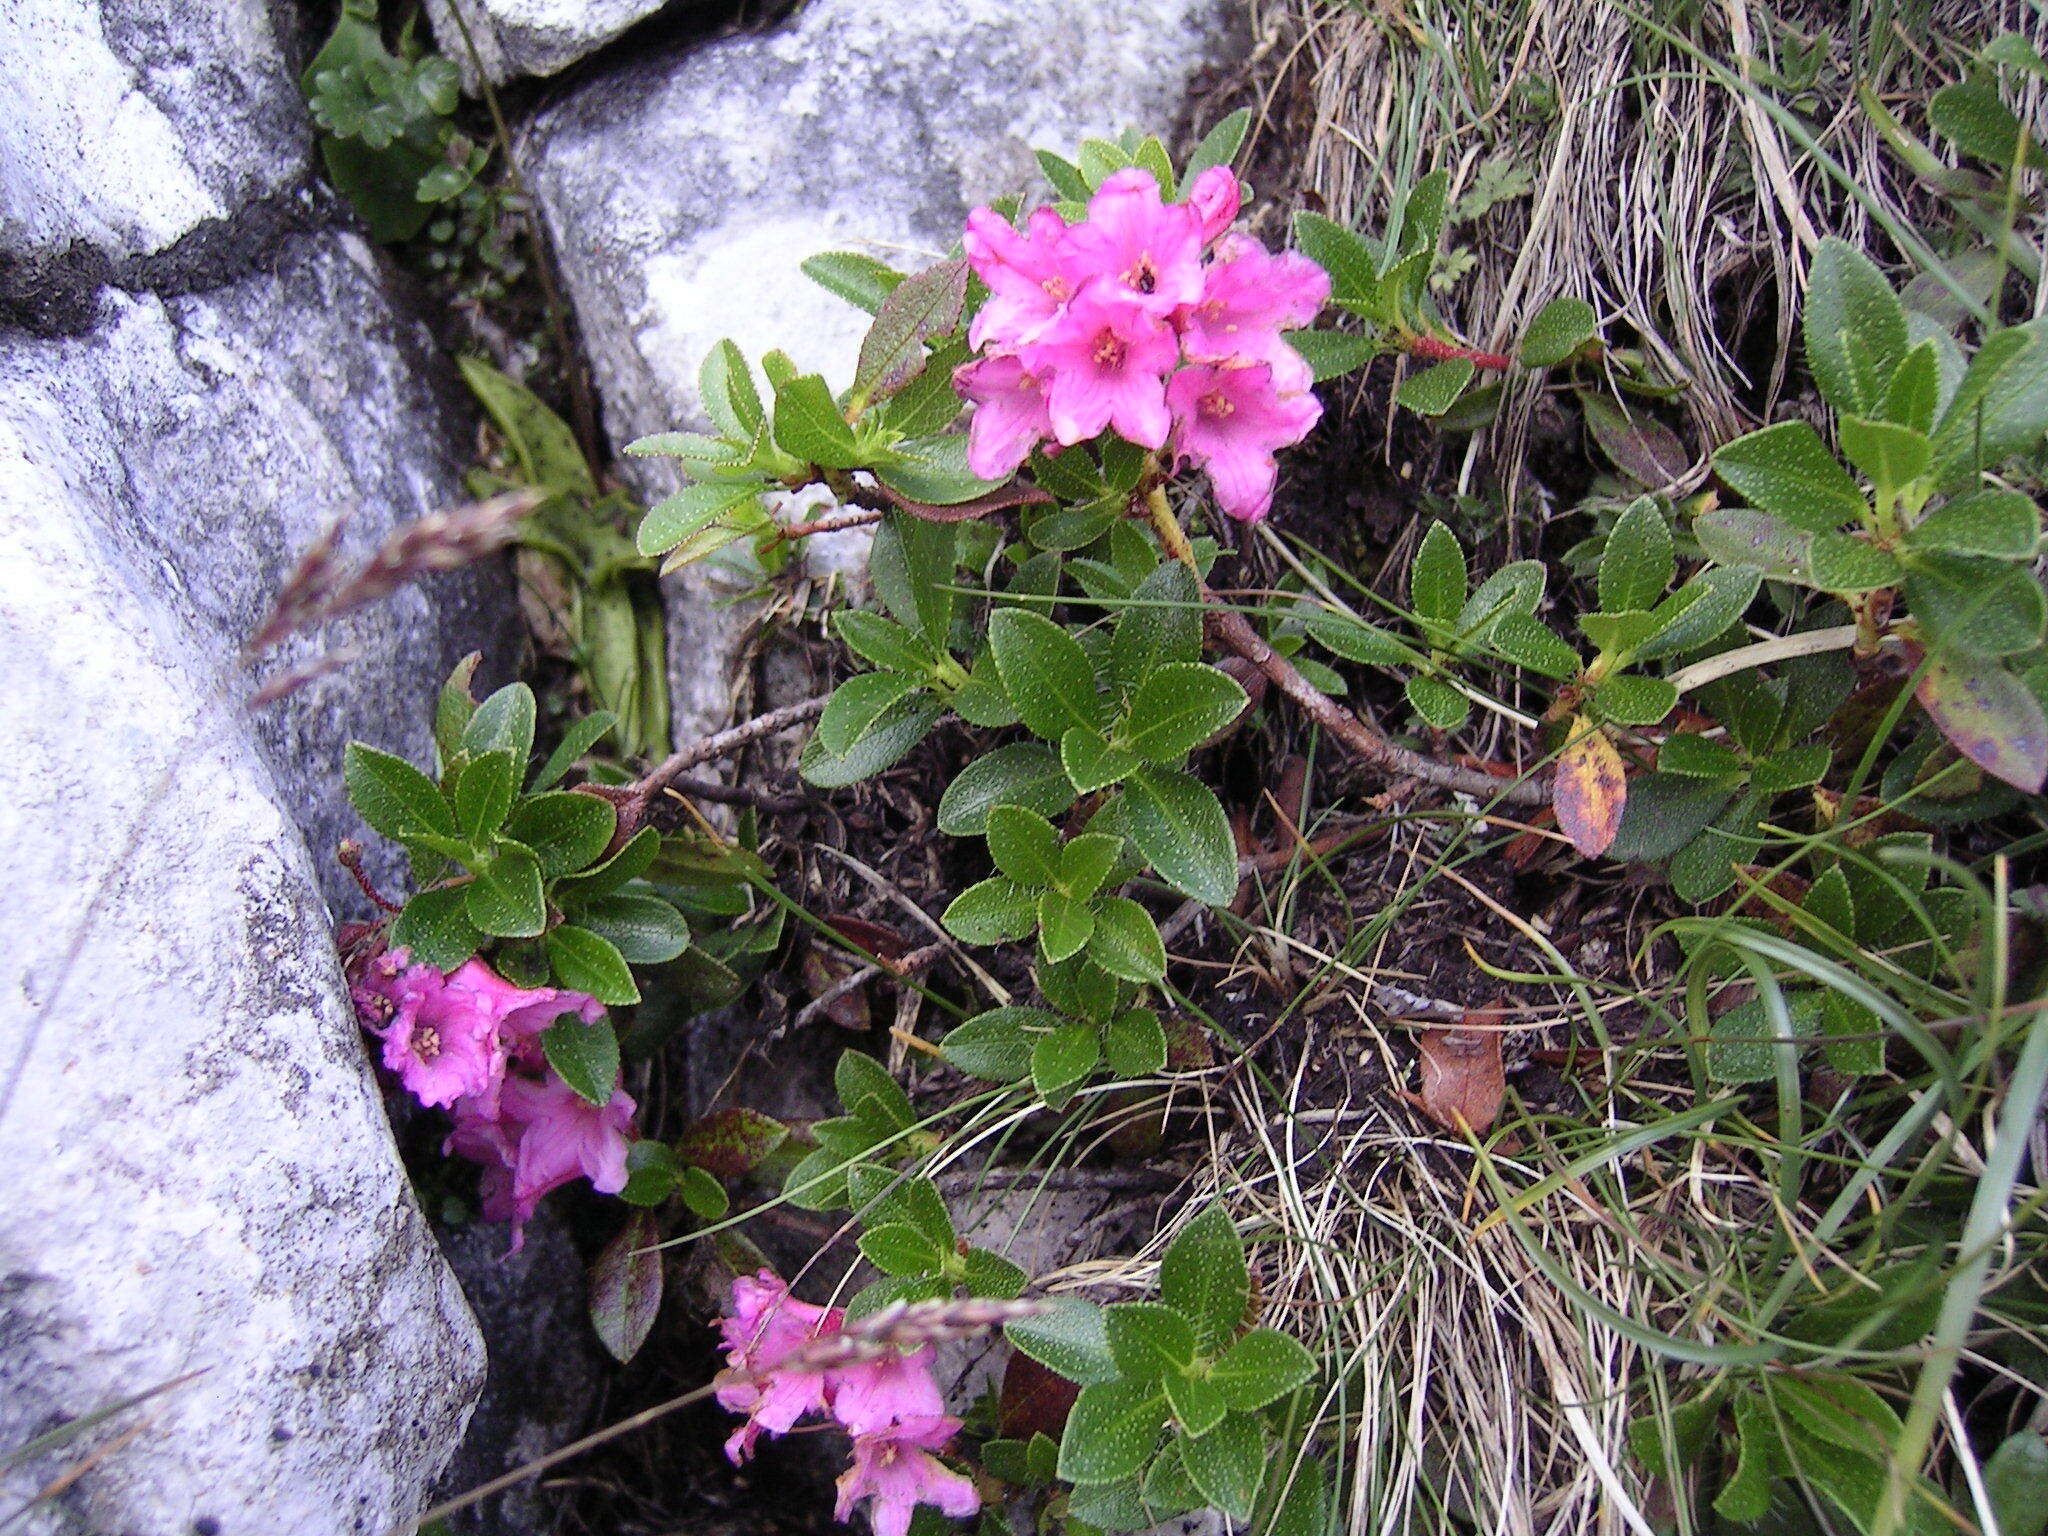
(725, 385)
(1355, 640)
(1354, 270)
(1629, 698)
(731, 1143)
(1228, 1464)
(1332, 354)
(1843, 562)
(565, 828)
(1988, 715)
(1178, 707)
(860, 280)
(1528, 642)
(1167, 629)
(1125, 941)
(1638, 563)
(857, 704)
(645, 930)
(394, 797)
(1064, 176)
(1700, 610)
(1085, 863)
(992, 1275)
(1982, 607)
(1560, 328)
(1850, 309)
(1787, 469)
(882, 745)
(1169, 1491)
(652, 1173)
(1743, 1046)
(933, 471)
(690, 511)
(997, 1045)
(1023, 845)
(1970, 115)
(884, 642)
(1148, 1340)
(1045, 672)
(1261, 1367)
(808, 424)
(1178, 824)
(505, 897)
(1697, 757)
(1437, 702)
(435, 927)
(1197, 1403)
(1740, 536)
(1793, 768)
(454, 705)
(862, 1081)
(542, 443)
(1891, 455)
(991, 912)
(1069, 1338)
(1202, 1276)
(586, 962)
(1025, 773)
(1516, 587)
(1436, 389)
(1914, 394)
(899, 1249)
(923, 305)
(1064, 925)
(2000, 408)
(483, 794)
(577, 740)
(1219, 145)
(1133, 1044)
(911, 565)
(1745, 1496)
(585, 1056)
(2016, 1483)
(703, 1194)
(1436, 581)
(2003, 525)
(1103, 1507)
(625, 1287)
(503, 723)
(1112, 1427)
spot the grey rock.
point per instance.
(531, 37)
(196, 1175)
(218, 434)
(684, 191)
(545, 1374)
(196, 1171)
(128, 124)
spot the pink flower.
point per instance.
(898, 1472)
(519, 1012)
(1248, 297)
(1229, 420)
(435, 1039)
(867, 1398)
(768, 1325)
(1104, 362)
(1030, 276)
(1010, 416)
(1143, 250)
(1215, 198)
(563, 1135)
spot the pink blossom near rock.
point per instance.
(562, 1136)
(1010, 418)
(1139, 247)
(440, 1045)
(1248, 298)
(1215, 197)
(520, 1012)
(1105, 362)
(1229, 420)
(1030, 276)
(897, 1471)
(768, 1325)
(867, 1398)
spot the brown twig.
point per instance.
(1438, 350)
(735, 794)
(1236, 633)
(831, 522)
(633, 805)
(909, 965)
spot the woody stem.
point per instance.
(1237, 635)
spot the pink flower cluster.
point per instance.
(1147, 317)
(890, 1405)
(470, 1042)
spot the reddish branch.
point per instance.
(1438, 350)
(633, 802)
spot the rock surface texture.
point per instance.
(684, 192)
(531, 37)
(198, 1185)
